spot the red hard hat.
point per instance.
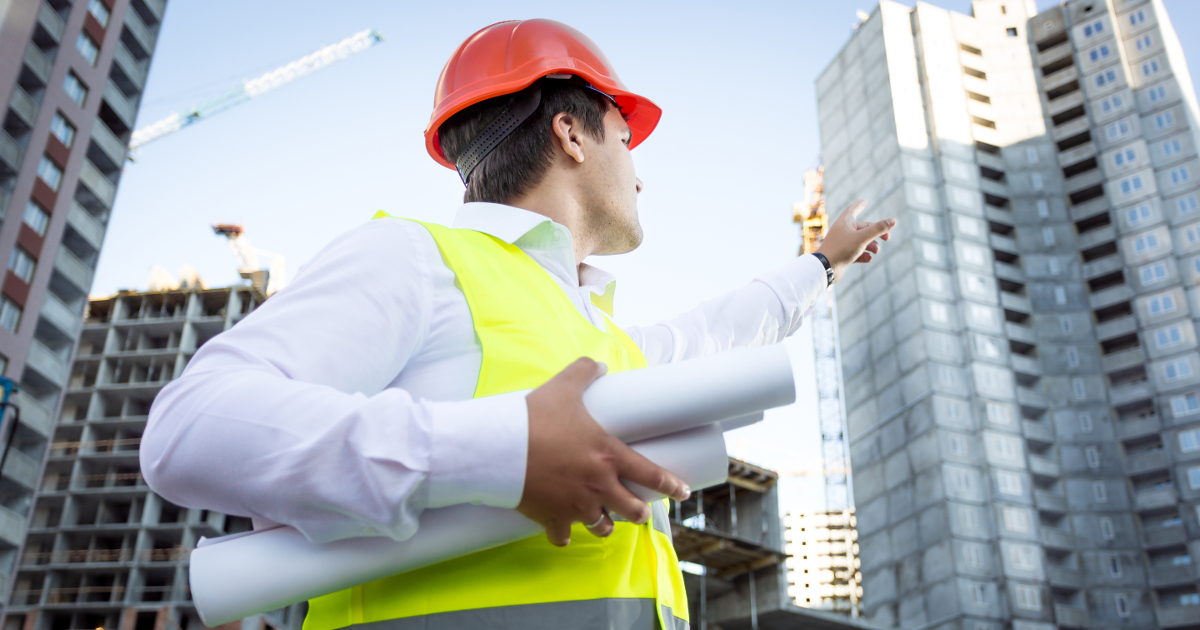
(507, 57)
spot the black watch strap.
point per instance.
(828, 268)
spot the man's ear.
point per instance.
(567, 133)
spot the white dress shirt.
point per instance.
(343, 405)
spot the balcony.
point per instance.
(1131, 393)
(21, 468)
(10, 151)
(1095, 237)
(47, 363)
(1085, 180)
(1077, 154)
(1116, 328)
(1060, 105)
(144, 35)
(119, 104)
(86, 225)
(23, 105)
(34, 415)
(994, 162)
(1060, 78)
(1123, 359)
(1155, 498)
(1177, 616)
(38, 63)
(1171, 575)
(73, 269)
(1062, 577)
(1110, 296)
(91, 177)
(1027, 397)
(1139, 427)
(1147, 461)
(1070, 616)
(1017, 332)
(130, 66)
(50, 21)
(114, 148)
(1049, 502)
(1014, 302)
(1025, 365)
(12, 527)
(61, 316)
(1055, 538)
(156, 7)
(1054, 53)
(1043, 466)
(1163, 536)
(1037, 431)
(1073, 128)
(1012, 273)
(1101, 266)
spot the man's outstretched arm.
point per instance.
(772, 306)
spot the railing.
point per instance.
(62, 317)
(45, 361)
(97, 182)
(73, 269)
(108, 143)
(142, 33)
(50, 21)
(38, 63)
(95, 446)
(12, 527)
(1154, 498)
(23, 104)
(77, 556)
(1057, 538)
(108, 481)
(118, 102)
(1127, 429)
(133, 69)
(10, 151)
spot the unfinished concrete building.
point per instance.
(72, 73)
(103, 550)
(1020, 365)
(822, 567)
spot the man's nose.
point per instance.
(639, 184)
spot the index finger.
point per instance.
(854, 209)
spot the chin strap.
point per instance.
(496, 131)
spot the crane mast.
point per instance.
(268, 280)
(256, 87)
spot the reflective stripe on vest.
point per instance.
(528, 331)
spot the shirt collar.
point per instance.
(511, 224)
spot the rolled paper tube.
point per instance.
(242, 575)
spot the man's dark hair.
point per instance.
(520, 161)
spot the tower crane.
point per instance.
(255, 87)
(268, 280)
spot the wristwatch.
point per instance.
(828, 268)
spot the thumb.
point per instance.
(581, 373)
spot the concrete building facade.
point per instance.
(103, 550)
(1020, 370)
(71, 77)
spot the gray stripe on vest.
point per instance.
(587, 614)
(660, 518)
(675, 622)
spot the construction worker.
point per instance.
(359, 396)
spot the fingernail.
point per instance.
(686, 489)
(603, 367)
(891, 223)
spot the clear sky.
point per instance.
(321, 155)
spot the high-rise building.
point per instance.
(103, 550)
(71, 76)
(822, 568)
(1020, 365)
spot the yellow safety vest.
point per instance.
(529, 331)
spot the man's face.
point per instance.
(612, 189)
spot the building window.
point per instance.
(998, 413)
(1099, 492)
(1171, 147)
(931, 252)
(1048, 236)
(1005, 448)
(1108, 77)
(1114, 565)
(972, 555)
(1072, 356)
(1028, 597)
(980, 315)
(1118, 129)
(958, 444)
(1009, 483)
(1099, 52)
(36, 218)
(50, 173)
(1112, 103)
(1162, 304)
(1043, 208)
(1121, 158)
(1094, 28)
(1193, 235)
(967, 517)
(1164, 120)
(1054, 265)
(1080, 391)
(926, 223)
(1064, 322)
(1021, 557)
(1015, 519)
(1194, 477)
(75, 89)
(978, 595)
(1185, 405)
(1085, 422)
(1122, 605)
(1031, 155)
(1093, 456)
(87, 47)
(21, 264)
(63, 130)
(1145, 243)
(1150, 68)
(1189, 599)
(1106, 528)
(10, 314)
(1153, 273)
(1168, 337)
(939, 312)
(1189, 440)
(1012, 32)
(962, 480)
(1176, 370)
(1138, 214)
(1060, 295)
(98, 11)
(1180, 175)
(1157, 93)
(1188, 204)
(1144, 43)
(1038, 182)
(1131, 185)
(1137, 18)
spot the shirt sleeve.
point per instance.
(288, 418)
(765, 311)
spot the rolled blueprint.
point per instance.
(249, 574)
(671, 412)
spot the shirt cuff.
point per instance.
(798, 284)
(478, 451)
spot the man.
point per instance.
(359, 396)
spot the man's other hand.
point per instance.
(574, 468)
(849, 240)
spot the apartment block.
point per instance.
(822, 567)
(1020, 365)
(72, 74)
(103, 550)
